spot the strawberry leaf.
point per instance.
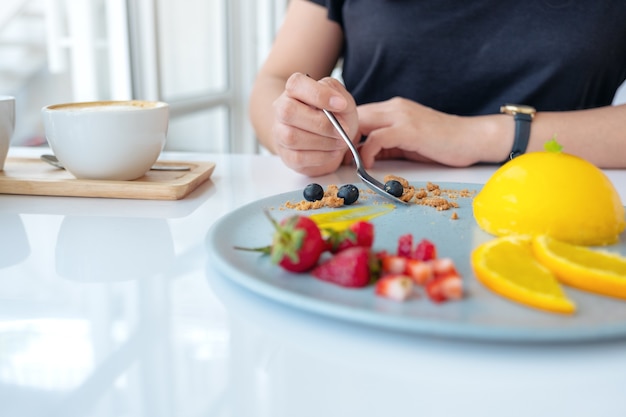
(288, 239)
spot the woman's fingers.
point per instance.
(325, 94)
(303, 136)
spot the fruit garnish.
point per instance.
(395, 188)
(419, 263)
(508, 267)
(444, 287)
(297, 244)
(405, 245)
(359, 233)
(342, 219)
(350, 194)
(551, 193)
(588, 269)
(313, 192)
(553, 146)
(353, 267)
(396, 287)
(425, 250)
(420, 272)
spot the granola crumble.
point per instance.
(432, 195)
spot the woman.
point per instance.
(428, 81)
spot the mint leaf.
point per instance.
(553, 146)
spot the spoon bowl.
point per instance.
(370, 181)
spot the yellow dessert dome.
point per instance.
(551, 193)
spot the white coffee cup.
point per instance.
(7, 126)
(107, 140)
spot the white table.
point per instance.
(108, 308)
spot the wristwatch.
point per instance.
(522, 115)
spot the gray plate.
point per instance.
(482, 315)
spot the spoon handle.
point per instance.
(344, 136)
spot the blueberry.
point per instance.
(349, 193)
(394, 188)
(313, 192)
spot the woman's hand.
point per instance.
(402, 129)
(303, 137)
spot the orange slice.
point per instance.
(588, 269)
(507, 267)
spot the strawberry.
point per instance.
(397, 287)
(443, 266)
(425, 251)
(353, 267)
(445, 287)
(405, 245)
(393, 264)
(359, 233)
(420, 272)
(297, 244)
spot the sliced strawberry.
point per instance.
(425, 251)
(353, 267)
(445, 287)
(382, 253)
(452, 287)
(443, 266)
(420, 272)
(359, 233)
(396, 287)
(393, 264)
(364, 233)
(405, 245)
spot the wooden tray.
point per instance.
(31, 176)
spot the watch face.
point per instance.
(517, 108)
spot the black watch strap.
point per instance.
(522, 134)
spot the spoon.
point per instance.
(370, 181)
(52, 160)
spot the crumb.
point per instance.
(454, 216)
(432, 196)
(330, 199)
(408, 193)
(401, 180)
(431, 187)
(421, 194)
(333, 201)
(305, 205)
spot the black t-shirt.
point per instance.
(470, 57)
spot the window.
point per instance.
(200, 56)
(202, 59)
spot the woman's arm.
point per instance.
(285, 103)
(284, 109)
(404, 129)
(598, 135)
